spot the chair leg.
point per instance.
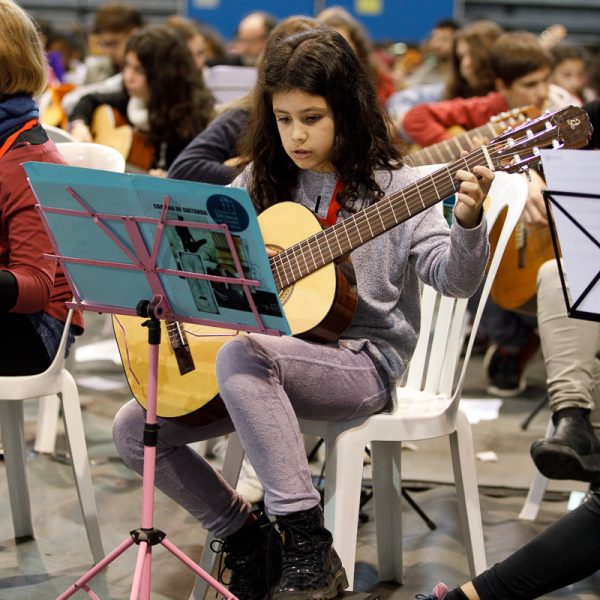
(343, 479)
(13, 441)
(80, 463)
(537, 489)
(47, 424)
(232, 466)
(465, 475)
(387, 501)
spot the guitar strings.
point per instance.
(369, 223)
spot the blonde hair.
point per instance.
(23, 67)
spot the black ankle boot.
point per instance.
(573, 452)
(253, 555)
(311, 568)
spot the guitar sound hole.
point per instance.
(286, 293)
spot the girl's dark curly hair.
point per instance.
(319, 63)
(180, 105)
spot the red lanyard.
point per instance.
(334, 205)
(11, 138)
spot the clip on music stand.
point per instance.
(158, 307)
(569, 222)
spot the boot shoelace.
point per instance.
(304, 548)
(220, 547)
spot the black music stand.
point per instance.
(135, 244)
(582, 306)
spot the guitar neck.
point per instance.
(450, 149)
(311, 254)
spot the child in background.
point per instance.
(569, 69)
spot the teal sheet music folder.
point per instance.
(183, 247)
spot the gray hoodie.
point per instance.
(388, 268)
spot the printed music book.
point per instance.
(192, 240)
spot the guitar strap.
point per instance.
(10, 140)
(334, 205)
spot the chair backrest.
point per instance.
(228, 83)
(92, 155)
(56, 134)
(48, 382)
(443, 319)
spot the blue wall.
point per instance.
(389, 19)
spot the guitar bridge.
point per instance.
(181, 349)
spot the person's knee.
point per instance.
(236, 361)
(128, 431)
(233, 355)
(548, 278)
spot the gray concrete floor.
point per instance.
(41, 569)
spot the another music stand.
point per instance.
(554, 202)
(572, 203)
(143, 249)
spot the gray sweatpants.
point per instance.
(266, 382)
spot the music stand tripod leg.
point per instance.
(147, 535)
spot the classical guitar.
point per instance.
(317, 294)
(110, 127)
(462, 140)
(527, 250)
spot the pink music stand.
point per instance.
(154, 309)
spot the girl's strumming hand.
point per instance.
(471, 194)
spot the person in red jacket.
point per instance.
(33, 289)
(522, 77)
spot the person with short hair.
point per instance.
(251, 36)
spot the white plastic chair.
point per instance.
(537, 488)
(425, 406)
(56, 134)
(93, 156)
(13, 391)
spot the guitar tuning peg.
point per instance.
(525, 170)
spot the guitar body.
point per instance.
(516, 280)
(110, 127)
(318, 307)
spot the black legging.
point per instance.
(566, 552)
(22, 351)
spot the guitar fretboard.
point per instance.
(311, 254)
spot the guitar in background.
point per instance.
(110, 127)
(462, 140)
(527, 249)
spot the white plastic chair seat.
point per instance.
(92, 156)
(425, 406)
(56, 134)
(56, 380)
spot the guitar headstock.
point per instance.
(514, 117)
(520, 147)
